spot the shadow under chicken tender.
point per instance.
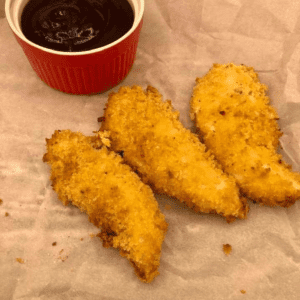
(113, 196)
(167, 156)
(239, 126)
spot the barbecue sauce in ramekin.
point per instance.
(76, 25)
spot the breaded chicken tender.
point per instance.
(115, 199)
(239, 126)
(168, 157)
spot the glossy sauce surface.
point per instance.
(76, 25)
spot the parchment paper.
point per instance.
(48, 251)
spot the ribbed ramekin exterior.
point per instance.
(85, 80)
(89, 73)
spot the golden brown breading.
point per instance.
(114, 197)
(232, 111)
(167, 156)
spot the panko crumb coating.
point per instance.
(167, 156)
(233, 113)
(115, 199)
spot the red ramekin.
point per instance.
(87, 72)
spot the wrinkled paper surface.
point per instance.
(48, 251)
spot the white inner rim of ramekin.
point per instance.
(14, 8)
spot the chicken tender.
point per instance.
(113, 196)
(168, 157)
(239, 126)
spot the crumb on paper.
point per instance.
(61, 257)
(243, 291)
(54, 244)
(20, 260)
(81, 239)
(6, 214)
(227, 249)
(168, 206)
(1, 201)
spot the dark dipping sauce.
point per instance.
(76, 25)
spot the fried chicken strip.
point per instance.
(239, 126)
(113, 196)
(167, 156)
